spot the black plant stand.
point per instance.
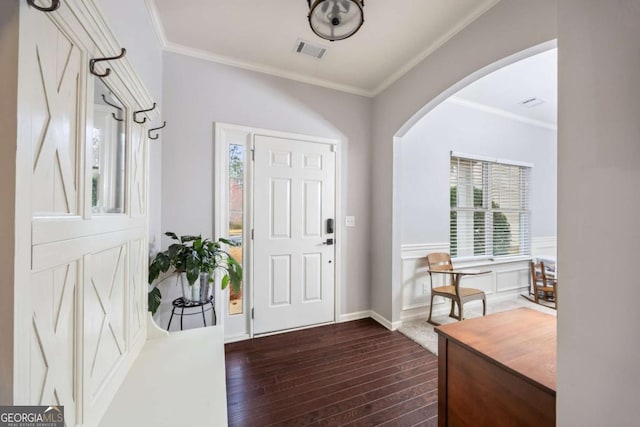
(182, 303)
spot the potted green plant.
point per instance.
(196, 261)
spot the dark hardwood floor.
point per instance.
(356, 373)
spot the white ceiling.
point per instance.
(504, 89)
(261, 34)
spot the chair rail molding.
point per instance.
(420, 250)
(547, 245)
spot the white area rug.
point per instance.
(422, 332)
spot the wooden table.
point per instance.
(498, 370)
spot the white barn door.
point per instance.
(294, 214)
(83, 306)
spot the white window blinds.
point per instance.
(489, 208)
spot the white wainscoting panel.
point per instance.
(53, 339)
(138, 194)
(415, 279)
(137, 289)
(54, 99)
(508, 276)
(511, 279)
(105, 341)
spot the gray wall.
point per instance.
(424, 167)
(9, 18)
(599, 199)
(198, 93)
(504, 30)
(130, 22)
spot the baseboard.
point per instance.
(443, 308)
(236, 338)
(348, 317)
(419, 311)
(392, 326)
(511, 293)
(356, 315)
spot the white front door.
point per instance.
(294, 212)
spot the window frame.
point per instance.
(524, 210)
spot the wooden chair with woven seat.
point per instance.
(441, 262)
(545, 288)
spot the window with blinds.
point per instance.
(489, 214)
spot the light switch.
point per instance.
(350, 221)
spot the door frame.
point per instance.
(220, 221)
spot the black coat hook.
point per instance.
(152, 129)
(55, 4)
(92, 64)
(144, 119)
(114, 106)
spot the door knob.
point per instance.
(328, 242)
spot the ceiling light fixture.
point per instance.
(335, 19)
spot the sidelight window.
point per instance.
(236, 216)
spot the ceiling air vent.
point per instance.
(306, 48)
(531, 102)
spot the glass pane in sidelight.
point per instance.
(236, 218)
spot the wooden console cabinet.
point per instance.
(498, 370)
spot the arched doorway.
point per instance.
(399, 301)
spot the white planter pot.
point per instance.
(200, 291)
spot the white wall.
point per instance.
(599, 199)
(503, 31)
(9, 17)
(424, 166)
(198, 93)
(131, 23)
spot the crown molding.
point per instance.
(157, 22)
(168, 46)
(434, 46)
(502, 113)
(278, 72)
(250, 66)
(94, 21)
